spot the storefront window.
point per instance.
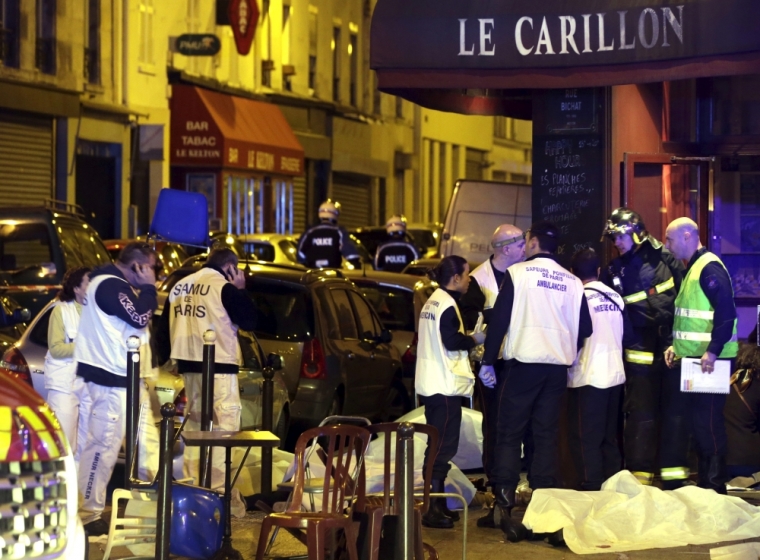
(729, 106)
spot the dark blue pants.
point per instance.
(705, 411)
(489, 404)
(528, 393)
(592, 433)
(445, 414)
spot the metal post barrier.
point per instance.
(403, 492)
(133, 405)
(164, 511)
(207, 404)
(267, 406)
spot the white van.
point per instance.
(476, 209)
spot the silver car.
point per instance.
(398, 300)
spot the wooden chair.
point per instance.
(377, 506)
(345, 449)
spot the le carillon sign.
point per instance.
(481, 37)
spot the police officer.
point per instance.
(704, 328)
(648, 276)
(443, 375)
(542, 312)
(394, 254)
(324, 245)
(508, 244)
(212, 298)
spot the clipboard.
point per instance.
(694, 381)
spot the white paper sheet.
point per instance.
(693, 380)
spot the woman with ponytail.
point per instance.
(443, 375)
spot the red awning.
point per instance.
(470, 56)
(212, 129)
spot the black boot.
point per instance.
(713, 473)
(488, 521)
(435, 516)
(438, 487)
(514, 531)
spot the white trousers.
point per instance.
(66, 407)
(226, 417)
(105, 412)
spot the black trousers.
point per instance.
(445, 414)
(489, 404)
(705, 413)
(654, 410)
(592, 433)
(528, 393)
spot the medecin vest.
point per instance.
(438, 370)
(195, 304)
(693, 325)
(600, 362)
(545, 313)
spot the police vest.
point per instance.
(60, 372)
(600, 362)
(438, 370)
(545, 313)
(195, 306)
(102, 338)
(393, 256)
(320, 247)
(487, 282)
(692, 328)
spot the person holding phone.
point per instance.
(212, 298)
(118, 304)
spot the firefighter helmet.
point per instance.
(396, 225)
(625, 221)
(329, 210)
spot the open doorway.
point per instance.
(663, 187)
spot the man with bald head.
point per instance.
(704, 328)
(508, 244)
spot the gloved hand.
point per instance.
(479, 337)
(487, 376)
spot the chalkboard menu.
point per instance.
(569, 167)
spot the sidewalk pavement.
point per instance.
(482, 544)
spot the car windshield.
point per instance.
(260, 250)
(284, 311)
(23, 245)
(395, 306)
(423, 237)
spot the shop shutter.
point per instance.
(299, 204)
(26, 159)
(356, 202)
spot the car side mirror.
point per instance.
(386, 336)
(274, 361)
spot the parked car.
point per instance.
(37, 245)
(426, 237)
(337, 357)
(420, 267)
(270, 247)
(170, 255)
(371, 237)
(26, 358)
(39, 477)
(398, 300)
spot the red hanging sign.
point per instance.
(244, 17)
